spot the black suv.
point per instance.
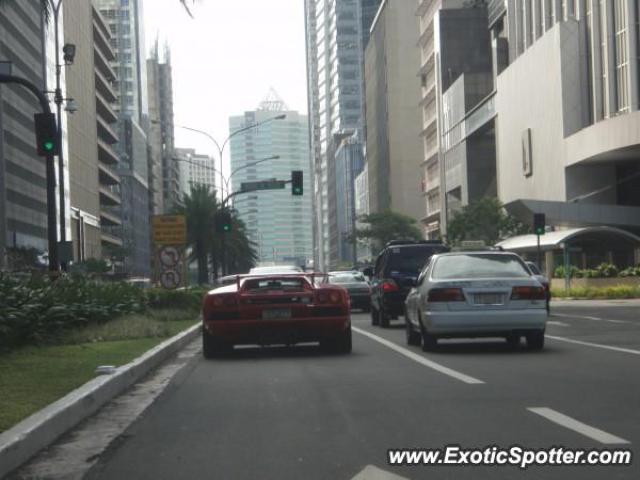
(394, 274)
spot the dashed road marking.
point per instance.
(559, 324)
(588, 317)
(582, 428)
(596, 345)
(420, 359)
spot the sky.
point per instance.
(227, 58)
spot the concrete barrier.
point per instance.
(24, 440)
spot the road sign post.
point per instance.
(170, 238)
(271, 184)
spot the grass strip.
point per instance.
(592, 293)
(33, 377)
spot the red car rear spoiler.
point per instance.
(312, 275)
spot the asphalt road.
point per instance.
(300, 414)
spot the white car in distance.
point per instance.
(476, 294)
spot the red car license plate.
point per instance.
(276, 313)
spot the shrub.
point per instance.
(189, 298)
(35, 310)
(618, 291)
(607, 270)
(559, 272)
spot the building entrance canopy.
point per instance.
(604, 236)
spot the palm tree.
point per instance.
(200, 207)
(241, 251)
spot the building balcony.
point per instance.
(106, 153)
(106, 133)
(107, 176)
(105, 109)
(103, 65)
(107, 197)
(108, 219)
(108, 239)
(103, 85)
(101, 36)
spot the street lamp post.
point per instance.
(247, 165)
(221, 148)
(69, 53)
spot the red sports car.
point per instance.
(272, 309)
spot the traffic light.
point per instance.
(296, 182)
(46, 134)
(539, 223)
(223, 222)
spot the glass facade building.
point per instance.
(337, 32)
(278, 222)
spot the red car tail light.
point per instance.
(329, 297)
(389, 286)
(446, 295)
(223, 300)
(528, 293)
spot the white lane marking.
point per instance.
(597, 345)
(372, 472)
(559, 324)
(573, 424)
(420, 359)
(587, 317)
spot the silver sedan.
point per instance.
(476, 294)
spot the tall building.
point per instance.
(453, 42)
(568, 110)
(276, 220)
(336, 31)
(125, 20)
(93, 183)
(349, 159)
(394, 147)
(196, 169)
(23, 211)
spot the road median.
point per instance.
(26, 438)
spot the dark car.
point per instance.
(544, 281)
(357, 286)
(394, 274)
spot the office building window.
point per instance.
(620, 23)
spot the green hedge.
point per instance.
(190, 299)
(619, 291)
(604, 270)
(37, 309)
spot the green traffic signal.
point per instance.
(46, 134)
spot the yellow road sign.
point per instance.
(169, 229)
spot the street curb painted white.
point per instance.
(24, 440)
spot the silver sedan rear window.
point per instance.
(479, 266)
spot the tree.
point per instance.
(199, 208)
(484, 219)
(386, 226)
(241, 252)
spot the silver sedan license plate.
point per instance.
(488, 299)
(276, 313)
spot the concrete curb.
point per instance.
(24, 440)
